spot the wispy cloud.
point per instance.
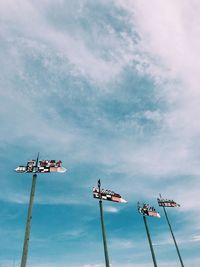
(196, 238)
(111, 209)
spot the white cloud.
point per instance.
(167, 34)
(111, 209)
(168, 44)
(171, 151)
(196, 238)
(170, 36)
(69, 45)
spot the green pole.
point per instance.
(150, 243)
(179, 255)
(103, 226)
(104, 235)
(28, 224)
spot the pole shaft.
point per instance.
(104, 234)
(178, 252)
(28, 224)
(150, 243)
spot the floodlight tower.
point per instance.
(170, 203)
(147, 210)
(34, 166)
(150, 242)
(109, 195)
(103, 226)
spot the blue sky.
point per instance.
(112, 89)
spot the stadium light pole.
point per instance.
(150, 242)
(173, 236)
(35, 167)
(103, 227)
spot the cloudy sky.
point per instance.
(110, 87)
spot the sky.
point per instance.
(110, 87)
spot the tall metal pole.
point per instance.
(179, 255)
(103, 227)
(150, 243)
(28, 224)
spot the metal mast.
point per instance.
(28, 224)
(103, 226)
(150, 242)
(34, 166)
(29, 218)
(170, 228)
